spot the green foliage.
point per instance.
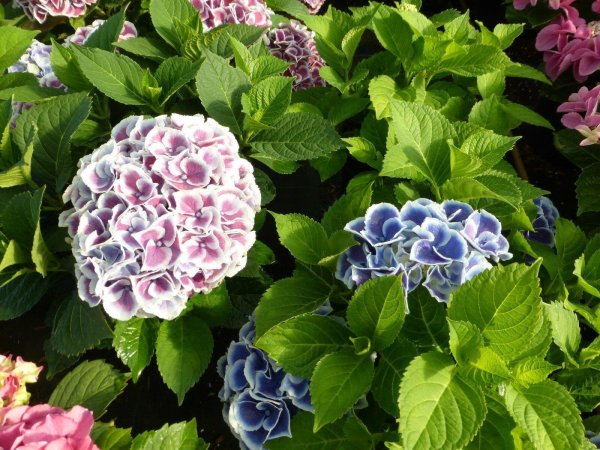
(13, 42)
(109, 437)
(134, 342)
(179, 436)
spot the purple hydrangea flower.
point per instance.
(294, 43)
(260, 398)
(218, 12)
(544, 223)
(163, 210)
(40, 9)
(313, 5)
(449, 242)
(82, 34)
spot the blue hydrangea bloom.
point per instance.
(544, 223)
(593, 437)
(260, 398)
(449, 243)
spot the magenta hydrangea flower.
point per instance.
(218, 12)
(14, 375)
(163, 210)
(295, 43)
(315, 5)
(82, 34)
(45, 427)
(40, 9)
(582, 114)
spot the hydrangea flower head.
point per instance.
(544, 224)
(14, 375)
(449, 243)
(40, 9)
(163, 210)
(260, 397)
(218, 12)
(294, 43)
(313, 5)
(581, 114)
(46, 427)
(82, 34)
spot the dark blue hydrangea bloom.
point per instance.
(544, 223)
(593, 437)
(260, 397)
(449, 243)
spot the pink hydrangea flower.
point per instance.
(218, 12)
(82, 34)
(596, 6)
(315, 5)
(294, 43)
(163, 210)
(40, 9)
(14, 375)
(45, 427)
(582, 114)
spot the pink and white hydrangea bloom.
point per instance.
(315, 5)
(14, 375)
(218, 12)
(82, 34)
(40, 9)
(295, 43)
(582, 114)
(162, 211)
(45, 427)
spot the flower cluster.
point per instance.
(14, 375)
(40, 9)
(449, 243)
(294, 43)
(581, 114)
(544, 224)
(313, 5)
(46, 427)
(163, 210)
(82, 34)
(260, 398)
(570, 41)
(218, 12)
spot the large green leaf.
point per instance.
(173, 74)
(268, 99)
(394, 33)
(21, 294)
(588, 190)
(377, 310)
(329, 437)
(472, 60)
(302, 236)
(504, 303)
(13, 42)
(299, 343)
(339, 380)
(183, 350)
(92, 384)
(134, 342)
(584, 386)
(52, 125)
(166, 14)
(179, 436)
(426, 324)
(296, 136)
(440, 409)
(496, 431)
(548, 415)
(565, 329)
(108, 437)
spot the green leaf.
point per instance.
(524, 71)
(52, 125)
(150, 48)
(337, 383)
(394, 33)
(489, 114)
(422, 135)
(297, 136)
(20, 218)
(166, 14)
(173, 74)
(266, 66)
(377, 310)
(570, 242)
(532, 370)
(524, 114)
(492, 83)
(13, 43)
(584, 386)
(220, 88)
(92, 384)
(302, 236)
(507, 33)
(218, 40)
(117, 76)
(215, 307)
(183, 350)
(179, 436)
(364, 151)
(587, 188)
(65, 66)
(496, 431)
(134, 342)
(21, 294)
(382, 91)
(426, 324)
(472, 60)
(349, 206)
(329, 437)
(292, 7)
(77, 327)
(107, 34)
(288, 298)
(504, 303)
(268, 99)
(300, 342)
(392, 362)
(434, 397)
(548, 415)
(108, 437)
(565, 329)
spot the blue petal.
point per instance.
(456, 211)
(455, 247)
(235, 379)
